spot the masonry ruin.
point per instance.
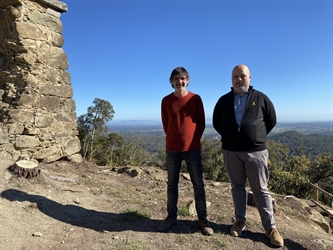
(37, 111)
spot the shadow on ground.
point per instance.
(107, 221)
(261, 237)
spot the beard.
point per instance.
(241, 89)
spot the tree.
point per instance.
(212, 160)
(288, 173)
(92, 125)
(298, 168)
(278, 166)
(321, 173)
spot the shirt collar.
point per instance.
(246, 92)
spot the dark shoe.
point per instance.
(167, 224)
(206, 229)
(275, 237)
(237, 228)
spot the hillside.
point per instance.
(314, 137)
(83, 206)
(313, 143)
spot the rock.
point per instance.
(131, 171)
(37, 234)
(36, 95)
(77, 158)
(192, 209)
(186, 176)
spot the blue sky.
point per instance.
(124, 51)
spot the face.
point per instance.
(241, 78)
(179, 82)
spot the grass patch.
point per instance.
(221, 239)
(222, 217)
(183, 211)
(183, 238)
(134, 215)
(289, 212)
(123, 192)
(250, 223)
(132, 245)
(92, 182)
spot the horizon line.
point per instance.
(208, 119)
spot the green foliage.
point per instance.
(311, 145)
(134, 215)
(288, 173)
(291, 170)
(100, 155)
(131, 245)
(298, 168)
(105, 148)
(183, 211)
(212, 160)
(113, 151)
(92, 126)
(151, 141)
(322, 170)
(222, 217)
(291, 174)
(139, 149)
(321, 173)
(159, 159)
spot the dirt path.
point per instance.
(82, 206)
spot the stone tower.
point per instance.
(37, 112)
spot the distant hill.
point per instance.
(316, 137)
(313, 143)
(306, 128)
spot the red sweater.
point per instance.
(183, 122)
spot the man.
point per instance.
(183, 120)
(243, 117)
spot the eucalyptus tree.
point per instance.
(92, 125)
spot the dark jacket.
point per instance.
(258, 120)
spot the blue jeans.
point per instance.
(194, 166)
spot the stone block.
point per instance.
(26, 141)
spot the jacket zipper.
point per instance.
(246, 104)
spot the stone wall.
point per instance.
(37, 112)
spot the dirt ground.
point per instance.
(83, 206)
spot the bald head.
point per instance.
(241, 67)
(241, 78)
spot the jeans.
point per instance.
(194, 166)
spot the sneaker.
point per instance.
(206, 229)
(167, 224)
(237, 228)
(275, 237)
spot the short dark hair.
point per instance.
(178, 71)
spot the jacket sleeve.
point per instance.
(270, 115)
(217, 113)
